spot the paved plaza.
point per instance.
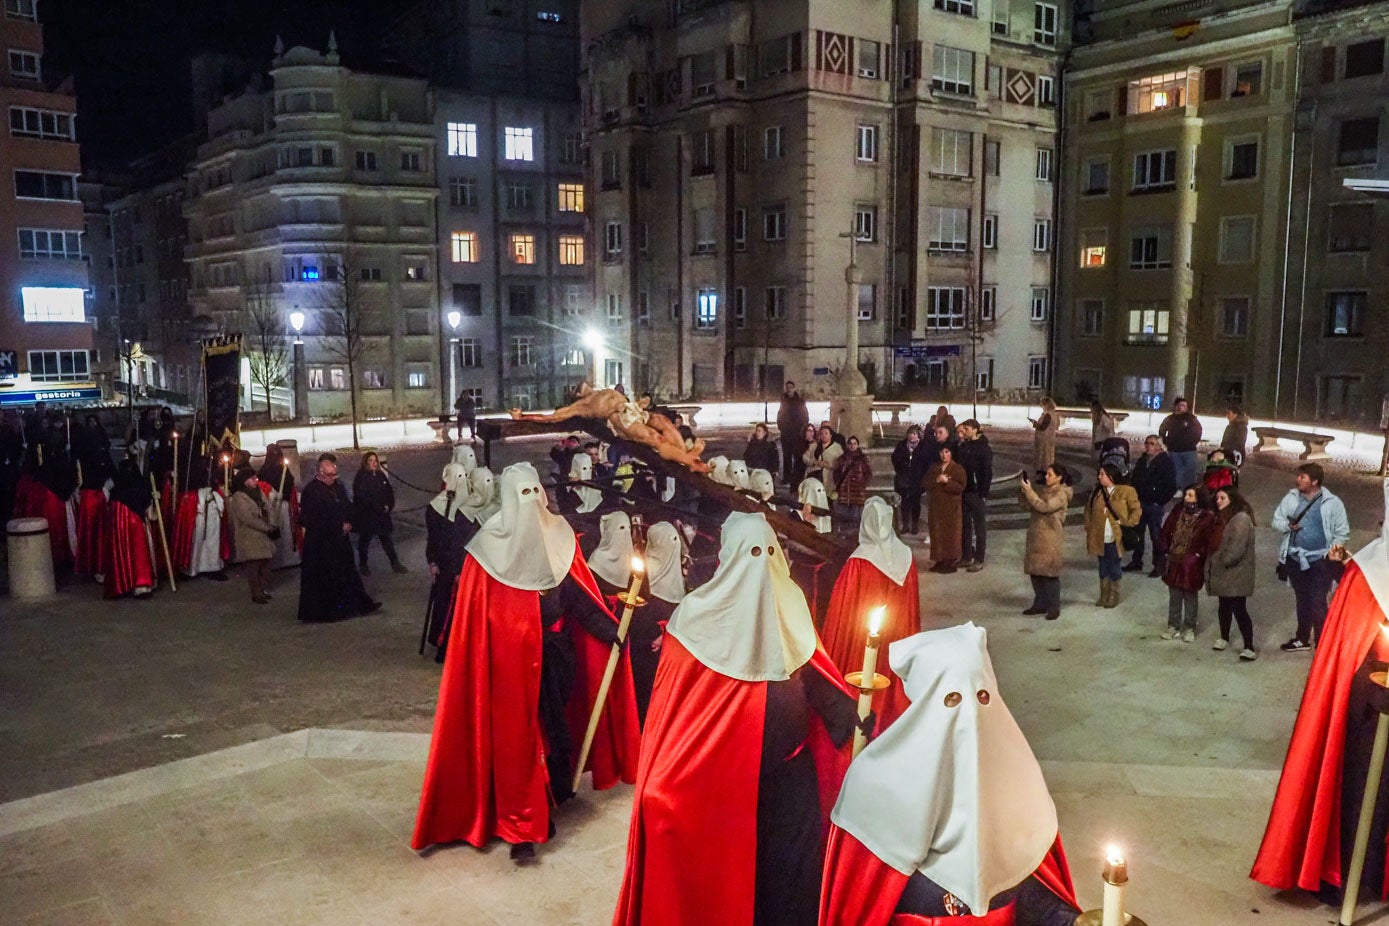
(198, 759)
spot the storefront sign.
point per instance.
(30, 396)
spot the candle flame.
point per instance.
(638, 565)
(1114, 855)
(875, 619)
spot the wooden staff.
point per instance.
(163, 537)
(173, 476)
(632, 602)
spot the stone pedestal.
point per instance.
(852, 416)
(31, 559)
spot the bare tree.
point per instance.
(264, 335)
(345, 303)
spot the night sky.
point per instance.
(131, 57)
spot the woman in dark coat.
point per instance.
(1188, 534)
(373, 499)
(761, 452)
(1230, 571)
(944, 485)
(852, 474)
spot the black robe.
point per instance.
(648, 624)
(330, 588)
(790, 856)
(445, 546)
(1036, 904)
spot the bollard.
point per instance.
(31, 559)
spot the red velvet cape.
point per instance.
(127, 561)
(861, 890)
(486, 775)
(185, 523)
(1302, 843)
(862, 587)
(91, 515)
(40, 502)
(692, 845)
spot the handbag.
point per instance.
(1283, 570)
(1130, 537)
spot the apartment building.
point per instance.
(513, 241)
(1333, 353)
(46, 339)
(316, 197)
(1177, 158)
(743, 155)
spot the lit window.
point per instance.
(523, 249)
(462, 139)
(520, 144)
(53, 303)
(571, 250)
(465, 249)
(707, 309)
(1093, 244)
(1160, 92)
(1148, 323)
(571, 197)
(417, 379)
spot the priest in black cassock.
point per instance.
(330, 588)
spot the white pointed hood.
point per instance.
(464, 456)
(524, 546)
(760, 481)
(665, 556)
(455, 490)
(750, 621)
(1373, 559)
(952, 792)
(612, 558)
(581, 469)
(879, 544)
(738, 472)
(812, 492)
(719, 472)
(481, 501)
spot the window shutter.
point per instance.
(1214, 85)
(1328, 64)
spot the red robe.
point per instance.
(861, 588)
(91, 517)
(185, 524)
(44, 504)
(128, 563)
(1302, 843)
(861, 890)
(692, 845)
(486, 777)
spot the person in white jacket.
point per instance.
(1315, 530)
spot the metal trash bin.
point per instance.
(31, 558)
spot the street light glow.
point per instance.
(455, 318)
(296, 321)
(593, 339)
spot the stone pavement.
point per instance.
(240, 797)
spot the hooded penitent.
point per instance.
(611, 560)
(760, 481)
(952, 790)
(664, 560)
(481, 501)
(527, 547)
(738, 473)
(812, 492)
(750, 621)
(719, 473)
(455, 490)
(879, 544)
(581, 470)
(464, 456)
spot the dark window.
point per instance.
(1345, 314)
(467, 298)
(1365, 58)
(1244, 160)
(521, 300)
(33, 184)
(1359, 141)
(1351, 226)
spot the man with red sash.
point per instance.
(741, 754)
(1311, 827)
(945, 819)
(527, 647)
(128, 548)
(880, 572)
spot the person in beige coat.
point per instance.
(1111, 508)
(1230, 568)
(1044, 553)
(1044, 434)
(253, 537)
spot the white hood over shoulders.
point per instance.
(581, 469)
(524, 545)
(879, 544)
(1373, 559)
(611, 560)
(665, 554)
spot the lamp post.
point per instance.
(852, 408)
(593, 343)
(301, 383)
(454, 318)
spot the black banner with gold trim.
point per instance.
(222, 374)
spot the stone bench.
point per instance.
(1314, 445)
(688, 412)
(1119, 417)
(895, 408)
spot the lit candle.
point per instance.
(173, 476)
(638, 567)
(226, 472)
(870, 669)
(1116, 876)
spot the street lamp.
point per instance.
(454, 318)
(592, 339)
(301, 385)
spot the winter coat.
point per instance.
(1236, 436)
(1155, 479)
(372, 502)
(821, 466)
(791, 418)
(944, 519)
(1102, 430)
(1188, 539)
(1124, 501)
(909, 467)
(851, 477)
(1044, 553)
(977, 458)
(1044, 440)
(1180, 433)
(250, 528)
(762, 454)
(1230, 570)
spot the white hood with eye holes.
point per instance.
(750, 621)
(581, 470)
(524, 545)
(1373, 559)
(953, 792)
(612, 558)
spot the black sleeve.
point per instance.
(591, 616)
(1038, 906)
(436, 536)
(838, 710)
(390, 492)
(985, 477)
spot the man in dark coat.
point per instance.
(1154, 478)
(910, 460)
(791, 418)
(977, 458)
(329, 587)
(1181, 434)
(1236, 435)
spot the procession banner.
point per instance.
(222, 376)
